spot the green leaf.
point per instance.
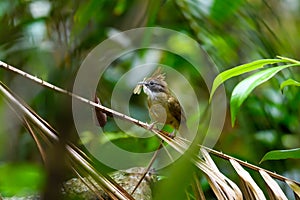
(282, 154)
(288, 83)
(285, 59)
(241, 69)
(245, 87)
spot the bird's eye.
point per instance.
(151, 83)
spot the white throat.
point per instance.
(151, 95)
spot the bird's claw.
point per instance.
(172, 135)
(150, 126)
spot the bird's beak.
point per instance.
(141, 83)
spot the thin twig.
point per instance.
(148, 167)
(34, 136)
(199, 195)
(168, 154)
(88, 184)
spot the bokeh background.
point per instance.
(50, 39)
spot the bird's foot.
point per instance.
(172, 134)
(151, 126)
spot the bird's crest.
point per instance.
(159, 76)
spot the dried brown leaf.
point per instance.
(295, 187)
(274, 189)
(250, 185)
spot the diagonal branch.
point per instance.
(179, 145)
(84, 100)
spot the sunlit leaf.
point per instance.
(282, 154)
(289, 82)
(288, 60)
(241, 69)
(245, 87)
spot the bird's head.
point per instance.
(155, 84)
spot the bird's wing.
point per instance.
(176, 110)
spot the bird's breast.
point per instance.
(159, 111)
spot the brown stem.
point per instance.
(148, 167)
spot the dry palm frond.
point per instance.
(228, 189)
(274, 190)
(109, 186)
(295, 187)
(198, 191)
(251, 189)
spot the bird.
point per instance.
(163, 106)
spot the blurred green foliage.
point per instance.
(50, 39)
(21, 179)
